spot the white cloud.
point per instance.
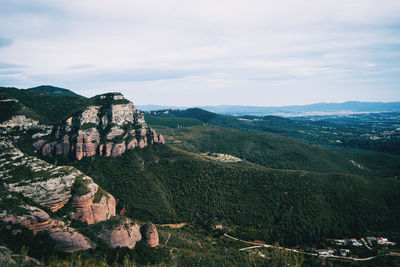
(185, 51)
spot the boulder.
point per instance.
(88, 211)
(69, 240)
(124, 234)
(150, 234)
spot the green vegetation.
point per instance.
(376, 132)
(283, 191)
(99, 194)
(278, 152)
(80, 187)
(52, 90)
(172, 122)
(48, 108)
(164, 184)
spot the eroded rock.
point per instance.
(123, 234)
(150, 234)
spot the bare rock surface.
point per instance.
(66, 238)
(20, 121)
(69, 240)
(121, 125)
(88, 211)
(123, 234)
(150, 234)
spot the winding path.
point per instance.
(257, 245)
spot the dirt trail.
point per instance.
(258, 245)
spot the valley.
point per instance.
(253, 178)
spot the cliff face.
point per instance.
(123, 234)
(52, 187)
(32, 190)
(109, 127)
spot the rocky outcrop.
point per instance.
(88, 211)
(123, 234)
(65, 238)
(20, 121)
(49, 186)
(33, 218)
(69, 240)
(150, 234)
(109, 128)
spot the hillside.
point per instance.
(378, 132)
(278, 152)
(99, 168)
(52, 90)
(49, 107)
(291, 207)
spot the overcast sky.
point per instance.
(187, 53)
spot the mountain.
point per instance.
(86, 178)
(349, 107)
(56, 91)
(47, 108)
(109, 125)
(313, 109)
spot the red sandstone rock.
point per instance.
(38, 144)
(118, 149)
(142, 143)
(63, 148)
(107, 150)
(132, 144)
(150, 234)
(161, 139)
(89, 212)
(69, 240)
(124, 235)
(46, 149)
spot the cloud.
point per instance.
(80, 66)
(5, 42)
(5, 65)
(186, 51)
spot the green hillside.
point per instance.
(164, 184)
(49, 108)
(52, 90)
(277, 152)
(175, 122)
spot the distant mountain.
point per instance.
(157, 107)
(52, 90)
(313, 109)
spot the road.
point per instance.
(257, 245)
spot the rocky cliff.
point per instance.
(31, 190)
(150, 234)
(109, 126)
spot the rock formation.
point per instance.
(108, 128)
(20, 121)
(150, 234)
(51, 187)
(89, 212)
(65, 238)
(123, 234)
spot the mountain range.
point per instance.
(97, 177)
(349, 107)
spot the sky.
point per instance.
(194, 53)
